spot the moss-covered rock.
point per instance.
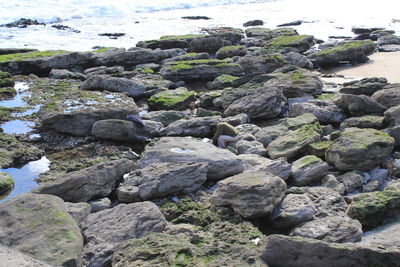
(368, 121)
(207, 98)
(7, 92)
(318, 148)
(307, 170)
(171, 99)
(223, 81)
(299, 43)
(266, 34)
(6, 80)
(6, 182)
(359, 149)
(230, 51)
(170, 41)
(5, 113)
(372, 208)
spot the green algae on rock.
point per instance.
(318, 148)
(6, 80)
(6, 182)
(171, 99)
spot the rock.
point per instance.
(359, 149)
(233, 35)
(198, 127)
(230, 51)
(389, 96)
(209, 44)
(162, 179)
(6, 80)
(96, 181)
(327, 202)
(325, 111)
(290, 43)
(293, 23)
(188, 56)
(268, 34)
(307, 170)
(65, 28)
(388, 40)
(102, 70)
(166, 117)
(132, 87)
(293, 210)
(264, 102)
(351, 180)
(170, 41)
(293, 142)
(66, 74)
(285, 251)
(319, 148)
(22, 23)
(395, 133)
(331, 182)
(127, 131)
(220, 82)
(201, 69)
(358, 105)
(221, 163)
(40, 226)
(392, 116)
(196, 17)
(382, 236)
(296, 83)
(250, 147)
(250, 194)
(279, 167)
(335, 229)
(368, 121)
(171, 99)
(77, 111)
(389, 48)
(100, 204)
(237, 120)
(366, 86)
(352, 51)
(255, 22)
(298, 60)
(105, 230)
(11, 257)
(258, 62)
(79, 211)
(372, 208)
(6, 182)
(201, 112)
(267, 134)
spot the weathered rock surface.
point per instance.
(279, 167)
(79, 211)
(171, 99)
(221, 163)
(285, 251)
(257, 62)
(351, 180)
(66, 74)
(359, 149)
(11, 257)
(166, 116)
(209, 44)
(358, 105)
(389, 96)
(40, 226)
(327, 202)
(337, 229)
(122, 130)
(307, 170)
(6, 182)
(392, 116)
(162, 179)
(250, 194)
(250, 147)
(366, 86)
(368, 121)
(105, 230)
(294, 209)
(198, 127)
(326, 111)
(230, 51)
(382, 236)
(92, 182)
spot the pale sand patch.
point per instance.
(381, 64)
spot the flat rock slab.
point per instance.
(221, 162)
(105, 230)
(40, 226)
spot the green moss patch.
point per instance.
(31, 55)
(171, 99)
(182, 37)
(345, 47)
(6, 182)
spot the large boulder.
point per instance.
(392, 116)
(358, 105)
(359, 149)
(389, 96)
(257, 62)
(162, 179)
(326, 111)
(11, 257)
(338, 229)
(89, 183)
(78, 110)
(122, 130)
(40, 226)
(201, 69)
(352, 51)
(307, 170)
(367, 86)
(285, 251)
(250, 194)
(198, 127)
(221, 163)
(105, 230)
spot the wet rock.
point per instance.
(290, 43)
(358, 105)
(6, 80)
(65, 28)
(78, 110)
(105, 230)
(319, 148)
(22, 23)
(395, 133)
(171, 99)
(298, 60)
(294, 209)
(388, 40)
(6, 182)
(96, 181)
(166, 117)
(209, 44)
(372, 208)
(112, 35)
(10, 257)
(200, 69)
(267, 34)
(221, 163)
(162, 179)
(40, 226)
(279, 167)
(100, 204)
(127, 131)
(288, 251)
(293, 142)
(359, 149)
(250, 194)
(196, 17)
(335, 229)
(368, 121)
(351, 180)
(198, 127)
(307, 170)
(366, 86)
(389, 96)
(66, 74)
(170, 41)
(188, 56)
(325, 111)
(293, 23)
(258, 62)
(352, 51)
(327, 202)
(79, 211)
(230, 51)
(255, 22)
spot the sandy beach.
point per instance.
(381, 64)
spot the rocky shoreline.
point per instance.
(314, 172)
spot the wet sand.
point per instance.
(381, 64)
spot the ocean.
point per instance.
(144, 20)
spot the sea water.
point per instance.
(145, 20)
